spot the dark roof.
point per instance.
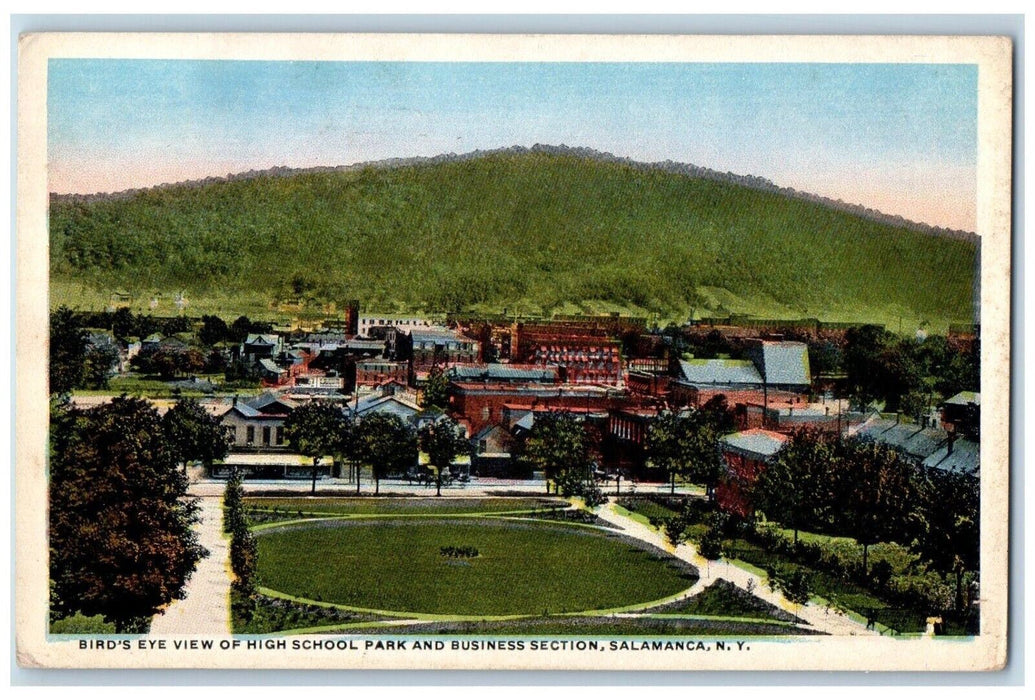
(965, 458)
(268, 399)
(439, 335)
(919, 443)
(502, 372)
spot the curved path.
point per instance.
(205, 609)
(820, 618)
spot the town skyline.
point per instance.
(897, 138)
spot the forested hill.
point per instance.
(538, 228)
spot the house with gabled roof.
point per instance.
(261, 345)
(258, 424)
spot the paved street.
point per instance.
(475, 488)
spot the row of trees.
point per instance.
(868, 491)
(244, 553)
(384, 441)
(122, 543)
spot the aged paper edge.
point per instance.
(993, 55)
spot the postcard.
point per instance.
(513, 352)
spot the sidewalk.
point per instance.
(206, 607)
(476, 488)
(820, 618)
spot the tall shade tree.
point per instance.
(667, 445)
(950, 504)
(705, 465)
(317, 430)
(688, 445)
(436, 391)
(194, 434)
(68, 347)
(100, 363)
(558, 446)
(121, 538)
(387, 443)
(797, 488)
(875, 494)
(443, 442)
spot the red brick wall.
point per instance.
(733, 492)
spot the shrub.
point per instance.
(880, 573)
(593, 496)
(711, 545)
(82, 624)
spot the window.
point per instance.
(266, 436)
(251, 434)
(280, 435)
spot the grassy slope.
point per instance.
(526, 231)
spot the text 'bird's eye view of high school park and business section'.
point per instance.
(422, 383)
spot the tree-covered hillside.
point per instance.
(534, 230)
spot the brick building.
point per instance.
(746, 453)
(585, 355)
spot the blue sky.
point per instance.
(898, 137)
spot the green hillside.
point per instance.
(532, 232)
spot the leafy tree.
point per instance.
(387, 443)
(875, 494)
(950, 504)
(443, 442)
(797, 488)
(316, 430)
(213, 330)
(436, 391)
(667, 444)
(67, 351)
(705, 465)
(240, 329)
(177, 324)
(99, 363)
(123, 324)
(240, 372)
(864, 346)
(121, 537)
(194, 434)
(190, 362)
(711, 545)
(558, 446)
(796, 585)
(216, 362)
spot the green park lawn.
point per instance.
(522, 568)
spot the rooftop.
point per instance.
(964, 398)
(755, 442)
(725, 372)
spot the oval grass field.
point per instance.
(522, 567)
